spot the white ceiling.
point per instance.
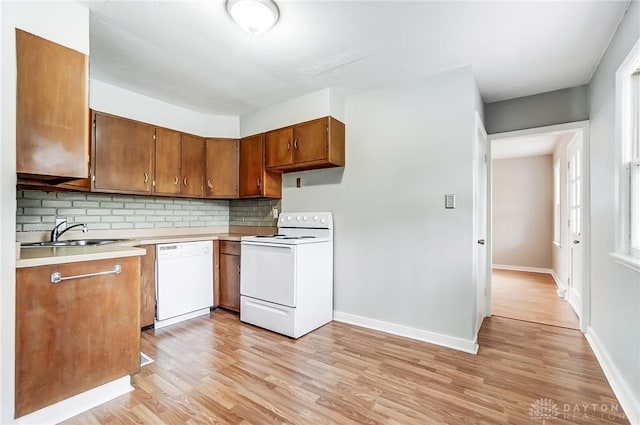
(191, 54)
(531, 145)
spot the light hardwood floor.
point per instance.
(218, 371)
(531, 297)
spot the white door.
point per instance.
(575, 178)
(480, 242)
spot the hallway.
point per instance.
(530, 297)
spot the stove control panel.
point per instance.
(321, 220)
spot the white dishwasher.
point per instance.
(184, 281)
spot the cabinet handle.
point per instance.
(176, 180)
(295, 144)
(289, 145)
(146, 177)
(209, 184)
(238, 269)
(185, 181)
(57, 276)
(258, 181)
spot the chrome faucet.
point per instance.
(55, 234)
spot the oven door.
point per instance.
(268, 272)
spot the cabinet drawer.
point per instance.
(230, 247)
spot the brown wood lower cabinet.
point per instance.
(77, 334)
(230, 275)
(148, 286)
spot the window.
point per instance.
(556, 203)
(628, 153)
(634, 168)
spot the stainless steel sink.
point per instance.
(71, 242)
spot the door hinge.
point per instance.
(93, 177)
(327, 128)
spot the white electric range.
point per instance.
(286, 280)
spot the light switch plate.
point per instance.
(450, 201)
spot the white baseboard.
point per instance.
(562, 289)
(466, 345)
(77, 404)
(521, 268)
(625, 396)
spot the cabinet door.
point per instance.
(310, 141)
(77, 334)
(254, 180)
(192, 165)
(123, 153)
(167, 155)
(148, 286)
(221, 177)
(278, 147)
(52, 110)
(230, 281)
(251, 166)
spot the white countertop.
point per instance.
(42, 256)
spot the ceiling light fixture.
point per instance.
(253, 16)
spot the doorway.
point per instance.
(539, 265)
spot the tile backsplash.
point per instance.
(37, 211)
(253, 212)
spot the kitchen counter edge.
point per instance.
(34, 257)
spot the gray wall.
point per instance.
(400, 256)
(522, 208)
(556, 107)
(615, 290)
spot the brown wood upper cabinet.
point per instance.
(122, 155)
(255, 180)
(192, 166)
(221, 168)
(52, 110)
(179, 164)
(168, 155)
(309, 145)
